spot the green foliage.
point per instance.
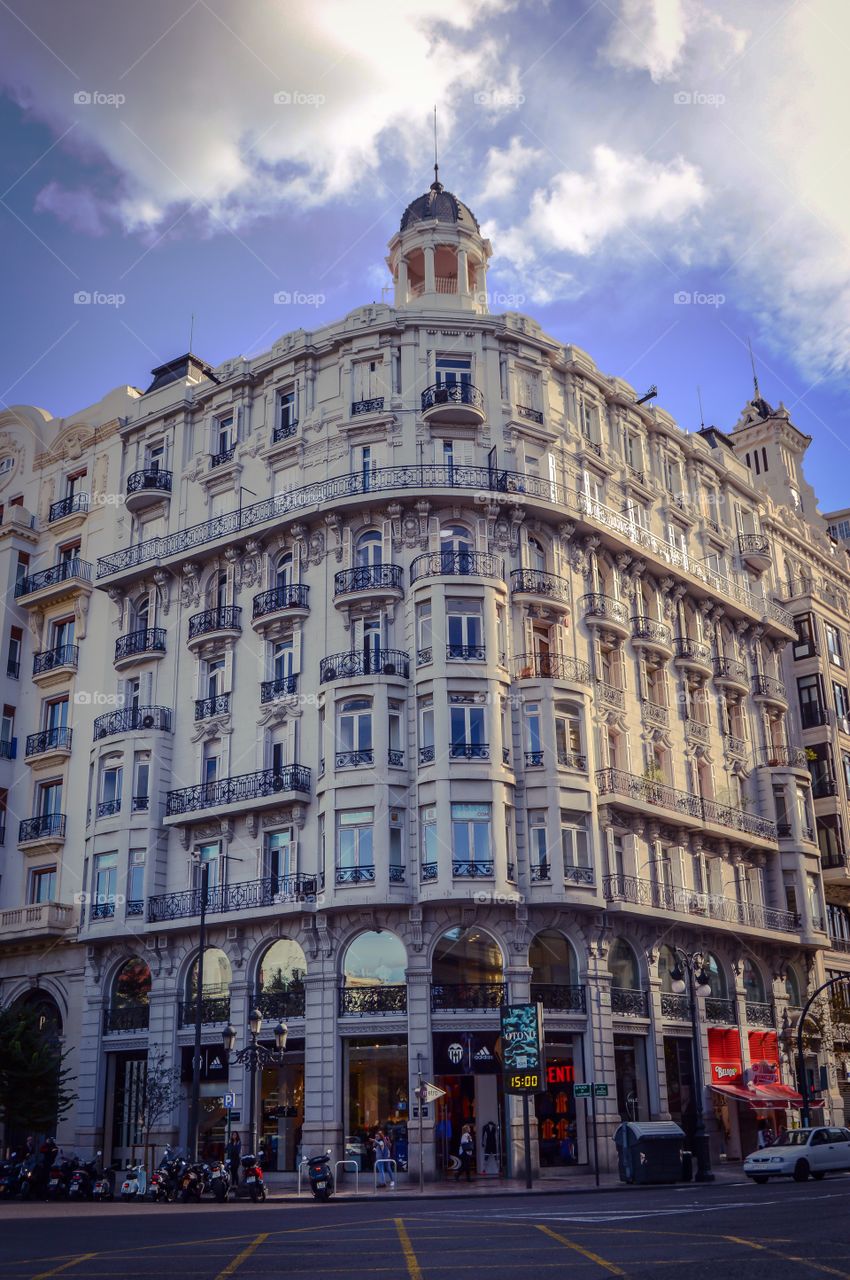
(34, 1080)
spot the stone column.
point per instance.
(599, 1055)
(323, 1125)
(430, 276)
(419, 1060)
(462, 274)
(401, 296)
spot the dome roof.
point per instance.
(438, 205)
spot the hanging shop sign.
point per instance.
(724, 1056)
(466, 1053)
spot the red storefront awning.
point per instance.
(738, 1091)
(765, 1097)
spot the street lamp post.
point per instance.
(255, 1056)
(195, 1102)
(697, 984)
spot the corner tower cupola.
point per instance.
(439, 258)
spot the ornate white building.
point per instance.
(462, 672)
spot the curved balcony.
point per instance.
(458, 402)
(53, 664)
(365, 662)
(239, 895)
(138, 646)
(466, 653)
(214, 624)
(132, 720)
(605, 612)
(654, 636)
(690, 902)
(147, 487)
(61, 581)
(754, 549)
(454, 564)
(732, 673)
(770, 691)
(76, 504)
(383, 582)
(45, 830)
(533, 586)
(50, 745)
(551, 666)
(649, 794)
(279, 604)
(693, 655)
(782, 758)
(469, 750)
(244, 789)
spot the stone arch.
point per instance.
(755, 987)
(553, 959)
(373, 957)
(624, 964)
(467, 954)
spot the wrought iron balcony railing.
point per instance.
(429, 872)
(578, 875)
(148, 640)
(151, 478)
(294, 595)
(369, 577)
(131, 720)
(364, 662)
(760, 1014)
(226, 618)
(533, 415)
(213, 1009)
(469, 750)
(140, 804)
(391, 998)
(540, 872)
(572, 760)
(644, 628)
(289, 1003)
(284, 430)
(44, 826)
(239, 789)
(58, 738)
(395, 759)
(280, 687)
(134, 907)
(473, 870)
(537, 583)
(689, 650)
(454, 393)
(447, 997)
(241, 895)
(128, 1017)
(223, 456)
(426, 755)
(355, 875)
(674, 1006)
(721, 1010)
(628, 1002)
(551, 666)
(612, 694)
(61, 572)
(9, 747)
(595, 605)
(652, 713)
(218, 705)
(64, 655)
(424, 656)
(364, 758)
(374, 405)
(534, 759)
(753, 544)
(711, 906)
(658, 794)
(559, 997)
(102, 909)
(453, 564)
(108, 808)
(74, 504)
(466, 652)
(768, 687)
(731, 669)
(781, 758)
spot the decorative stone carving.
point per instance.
(190, 587)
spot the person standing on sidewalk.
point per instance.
(382, 1153)
(466, 1151)
(234, 1153)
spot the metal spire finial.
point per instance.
(701, 414)
(755, 375)
(436, 182)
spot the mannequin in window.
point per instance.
(490, 1148)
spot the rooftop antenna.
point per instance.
(755, 375)
(701, 414)
(191, 330)
(436, 164)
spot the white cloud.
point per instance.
(656, 35)
(503, 168)
(80, 209)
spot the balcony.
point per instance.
(9, 748)
(389, 998)
(62, 581)
(108, 808)
(146, 488)
(245, 788)
(655, 714)
(459, 402)
(693, 655)
(534, 759)
(38, 920)
(280, 687)
(218, 705)
(76, 504)
(364, 662)
(721, 1011)
(280, 604)
(466, 653)
(814, 716)
(52, 665)
(124, 1018)
(734, 747)
(690, 902)
(754, 550)
(426, 755)
(603, 611)
(363, 759)
(355, 875)
(675, 1008)
(572, 760)
(214, 624)
(782, 758)
(223, 456)
(469, 750)
(760, 1014)
(138, 646)
(132, 720)
(454, 564)
(559, 998)
(285, 430)
(731, 672)
(383, 582)
(243, 895)
(696, 731)
(533, 586)
(551, 666)
(473, 870)
(649, 794)
(214, 1008)
(770, 691)
(611, 695)
(50, 745)
(456, 997)
(288, 1003)
(44, 831)
(655, 637)
(360, 408)
(626, 1002)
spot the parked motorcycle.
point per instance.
(165, 1182)
(59, 1181)
(194, 1182)
(252, 1179)
(10, 1173)
(219, 1180)
(83, 1178)
(135, 1182)
(29, 1175)
(104, 1184)
(320, 1176)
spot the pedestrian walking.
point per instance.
(381, 1148)
(234, 1156)
(466, 1151)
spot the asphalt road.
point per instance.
(782, 1230)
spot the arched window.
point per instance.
(280, 980)
(456, 549)
(218, 976)
(716, 977)
(221, 591)
(369, 548)
(467, 956)
(132, 984)
(666, 964)
(623, 966)
(553, 960)
(792, 988)
(753, 982)
(536, 556)
(375, 958)
(284, 570)
(45, 1010)
(142, 613)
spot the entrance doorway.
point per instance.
(476, 1100)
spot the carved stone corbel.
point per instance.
(190, 587)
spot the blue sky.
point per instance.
(618, 152)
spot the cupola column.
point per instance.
(462, 273)
(430, 277)
(401, 284)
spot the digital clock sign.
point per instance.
(522, 1048)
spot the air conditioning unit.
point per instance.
(389, 668)
(148, 722)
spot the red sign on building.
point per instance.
(724, 1056)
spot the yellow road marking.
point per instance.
(236, 1262)
(413, 1269)
(72, 1262)
(587, 1253)
(789, 1257)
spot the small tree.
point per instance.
(34, 1080)
(157, 1096)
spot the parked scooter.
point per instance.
(28, 1178)
(10, 1173)
(135, 1182)
(104, 1184)
(59, 1182)
(194, 1182)
(219, 1180)
(320, 1176)
(83, 1178)
(252, 1183)
(165, 1182)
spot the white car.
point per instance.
(801, 1152)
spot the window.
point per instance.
(574, 844)
(155, 455)
(369, 549)
(811, 703)
(396, 749)
(463, 630)
(286, 419)
(279, 857)
(471, 842)
(135, 878)
(105, 882)
(428, 836)
(283, 658)
(224, 435)
(22, 568)
(587, 418)
(533, 738)
(141, 781)
(63, 633)
(69, 555)
(284, 571)
(208, 855)
(426, 730)
(354, 839)
(845, 764)
(49, 799)
(212, 683)
(842, 705)
(568, 738)
(453, 371)
(209, 762)
(396, 842)
(110, 790)
(538, 844)
(833, 645)
(468, 739)
(7, 724)
(43, 885)
(354, 733)
(13, 657)
(55, 714)
(819, 761)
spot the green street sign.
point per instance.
(582, 1090)
(601, 1090)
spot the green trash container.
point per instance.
(650, 1153)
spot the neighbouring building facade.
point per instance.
(467, 678)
